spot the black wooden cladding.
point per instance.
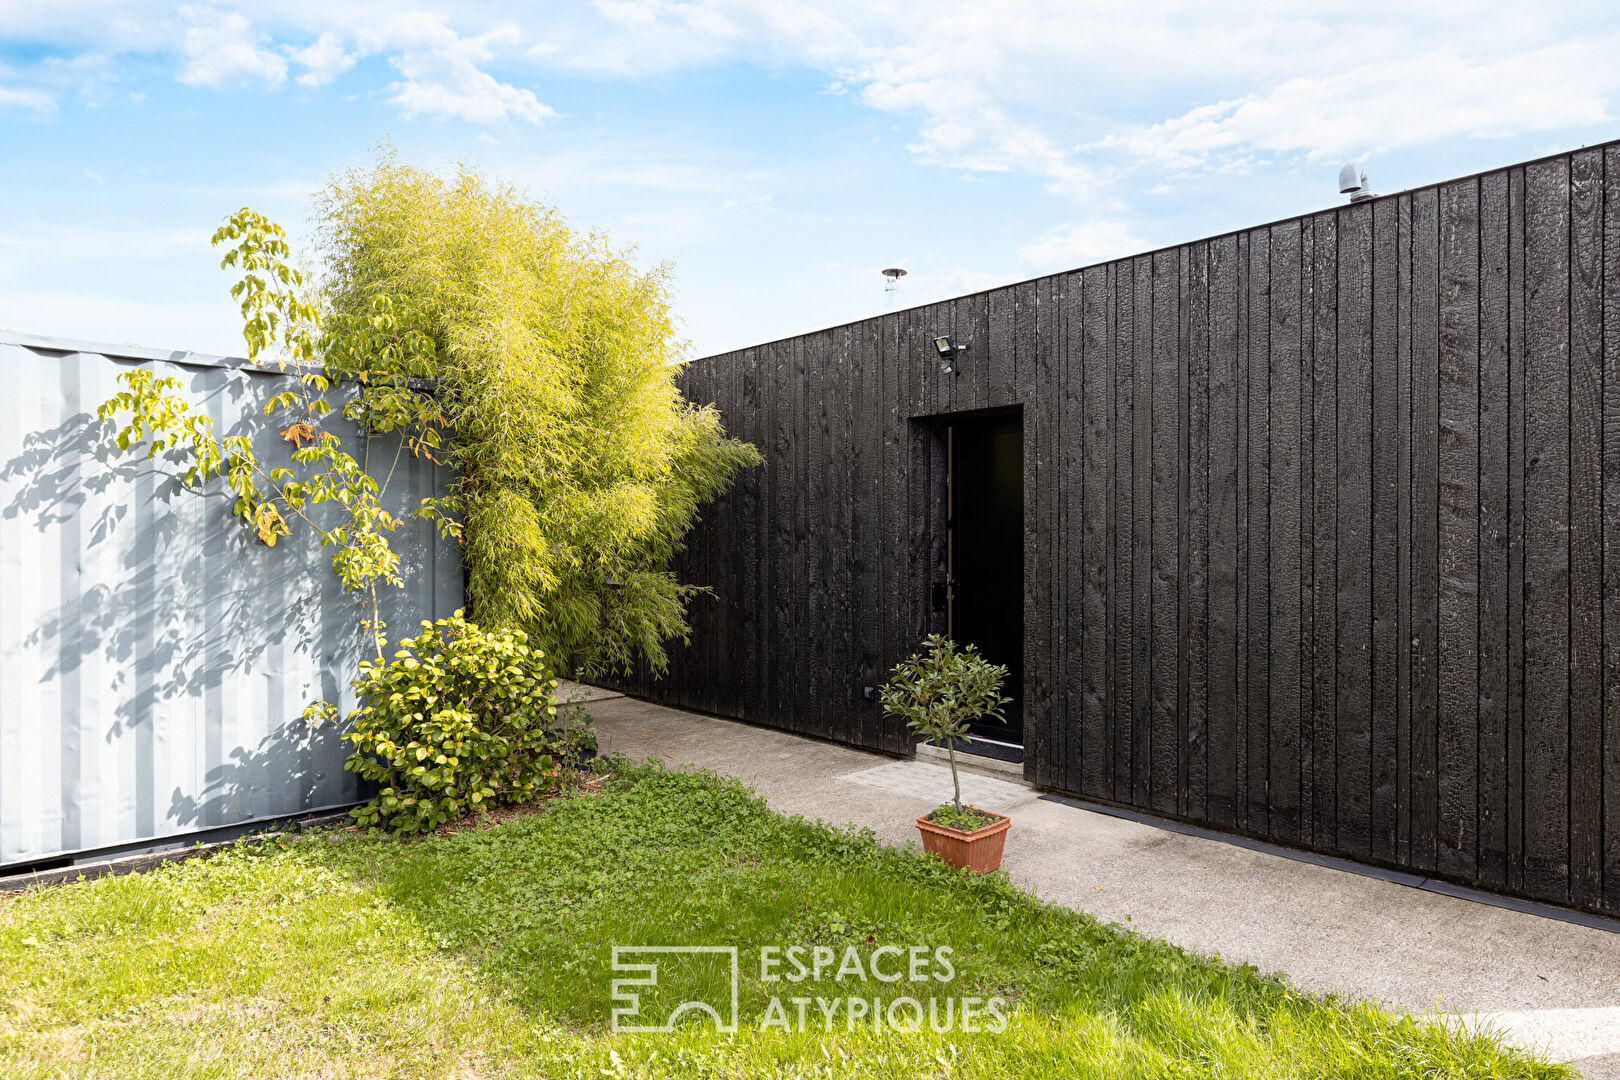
(1322, 527)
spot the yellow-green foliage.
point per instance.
(581, 466)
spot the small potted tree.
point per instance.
(938, 693)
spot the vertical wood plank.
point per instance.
(1241, 725)
(752, 655)
(1403, 525)
(895, 565)
(1546, 525)
(699, 555)
(1164, 480)
(772, 390)
(1354, 540)
(1284, 492)
(1458, 718)
(866, 539)
(731, 631)
(1026, 320)
(1197, 532)
(744, 646)
(1033, 389)
(1516, 534)
(1097, 535)
(1403, 532)
(1123, 595)
(1324, 524)
(1493, 526)
(814, 646)
(1586, 529)
(697, 560)
(1425, 601)
(800, 570)
(1054, 479)
(711, 545)
(922, 491)
(792, 523)
(1611, 528)
(844, 494)
(1386, 484)
(1076, 529)
(1224, 503)
(1182, 588)
(1307, 531)
(995, 376)
(1258, 639)
(1142, 534)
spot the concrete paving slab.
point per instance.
(1547, 984)
(569, 691)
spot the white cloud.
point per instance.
(443, 72)
(1082, 245)
(1076, 92)
(323, 60)
(1102, 103)
(222, 48)
(1081, 93)
(1392, 104)
(39, 101)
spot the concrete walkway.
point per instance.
(1548, 984)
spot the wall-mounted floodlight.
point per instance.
(947, 350)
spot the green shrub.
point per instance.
(460, 720)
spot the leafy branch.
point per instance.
(278, 317)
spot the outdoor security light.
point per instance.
(947, 353)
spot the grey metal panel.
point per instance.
(154, 656)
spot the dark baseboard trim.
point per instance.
(985, 748)
(143, 854)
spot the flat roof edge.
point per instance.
(1608, 144)
(185, 357)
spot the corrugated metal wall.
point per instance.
(154, 656)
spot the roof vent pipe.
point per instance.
(891, 283)
(1353, 184)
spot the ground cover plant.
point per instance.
(486, 952)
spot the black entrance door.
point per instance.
(985, 551)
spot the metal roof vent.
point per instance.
(1353, 184)
(891, 284)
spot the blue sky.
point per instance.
(778, 153)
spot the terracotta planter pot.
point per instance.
(978, 852)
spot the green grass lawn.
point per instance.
(488, 953)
